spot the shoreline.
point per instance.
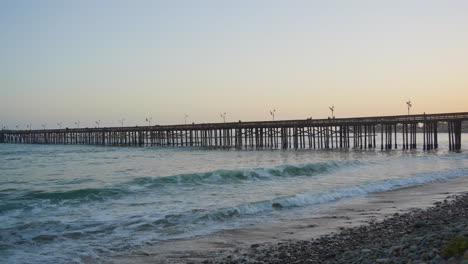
(436, 235)
(245, 244)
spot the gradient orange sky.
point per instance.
(67, 61)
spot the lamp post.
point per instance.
(59, 124)
(223, 116)
(98, 123)
(409, 105)
(149, 119)
(332, 109)
(77, 123)
(272, 113)
(185, 118)
(121, 121)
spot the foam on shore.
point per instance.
(326, 219)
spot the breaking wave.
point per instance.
(313, 198)
(214, 177)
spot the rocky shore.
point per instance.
(436, 235)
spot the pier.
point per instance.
(382, 132)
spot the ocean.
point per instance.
(82, 204)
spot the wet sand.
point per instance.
(324, 219)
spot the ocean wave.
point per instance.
(94, 194)
(214, 177)
(312, 198)
(239, 175)
(188, 223)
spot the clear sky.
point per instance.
(64, 61)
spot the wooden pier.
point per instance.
(335, 133)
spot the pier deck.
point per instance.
(357, 132)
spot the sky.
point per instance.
(108, 60)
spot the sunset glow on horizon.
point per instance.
(64, 61)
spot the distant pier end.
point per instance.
(331, 133)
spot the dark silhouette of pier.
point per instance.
(331, 133)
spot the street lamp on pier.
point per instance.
(272, 113)
(332, 109)
(223, 116)
(149, 119)
(409, 105)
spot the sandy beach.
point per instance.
(242, 245)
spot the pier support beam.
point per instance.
(430, 135)
(454, 129)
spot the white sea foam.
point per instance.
(311, 198)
